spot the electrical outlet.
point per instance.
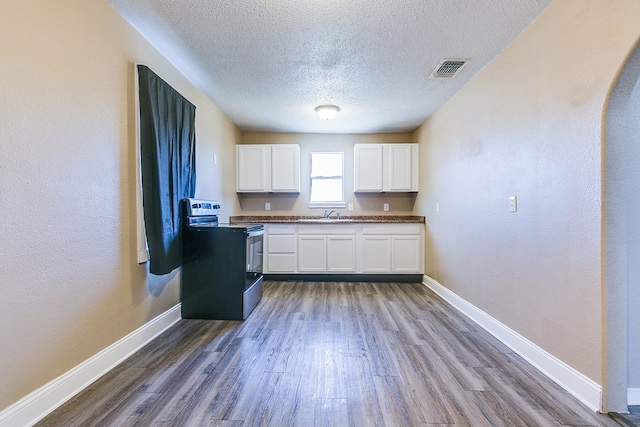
(513, 203)
(350, 207)
(267, 206)
(385, 207)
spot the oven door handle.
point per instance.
(255, 233)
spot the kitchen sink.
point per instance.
(325, 220)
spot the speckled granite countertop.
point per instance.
(358, 219)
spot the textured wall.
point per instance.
(530, 125)
(298, 204)
(70, 285)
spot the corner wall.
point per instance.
(70, 282)
(530, 125)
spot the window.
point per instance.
(166, 127)
(326, 180)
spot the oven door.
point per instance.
(254, 256)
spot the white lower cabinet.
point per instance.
(312, 254)
(406, 254)
(376, 254)
(341, 254)
(280, 249)
(392, 248)
(346, 249)
(327, 248)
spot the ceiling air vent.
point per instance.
(448, 68)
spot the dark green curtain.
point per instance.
(168, 160)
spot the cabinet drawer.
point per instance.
(281, 263)
(325, 229)
(281, 229)
(392, 229)
(281, 243)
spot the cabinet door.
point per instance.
(400, 167)
(406, 254)
(341, 253)
(251, 168)
(376, 254)
(285, 168)
(367, 168)
(312, 253)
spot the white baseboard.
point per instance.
(584, 389)
(633, 396)
(38, 404)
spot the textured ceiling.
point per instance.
(267, 63)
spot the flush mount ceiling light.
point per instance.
(327, 112)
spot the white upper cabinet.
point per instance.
(385, 167)
(401, 169)
(367, 167)
(251, 168)
(268, 168)
(285, 168)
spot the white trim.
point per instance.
(320, 205)
(633, 396)
(38, 404)
(584, 389)
(143, 247)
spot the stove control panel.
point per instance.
(198, 207)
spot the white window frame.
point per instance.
(324, 204)
(141, 238)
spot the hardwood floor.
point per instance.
(632, 419)
(328, 354)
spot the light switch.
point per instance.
(513, 203)
(437, 206)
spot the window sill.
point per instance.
(322, 205)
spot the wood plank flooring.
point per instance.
(328, 354)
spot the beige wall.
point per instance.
(70, 285)
(530, 125)
(297, 204)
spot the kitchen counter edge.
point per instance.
(358, 219)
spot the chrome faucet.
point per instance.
(327, 214)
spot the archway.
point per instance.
(621, 236)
